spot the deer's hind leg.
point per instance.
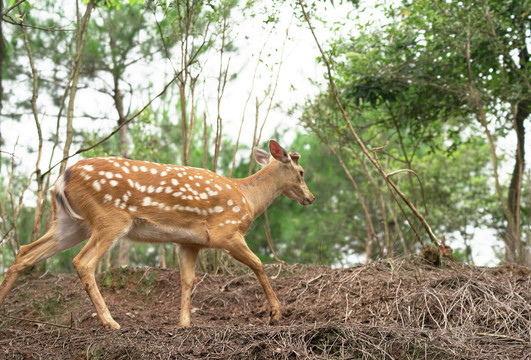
(104, 235)
(64, 234)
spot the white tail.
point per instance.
(108, 199)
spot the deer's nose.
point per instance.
(308, 200)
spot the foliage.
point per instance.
(390, 82)
(406, 85)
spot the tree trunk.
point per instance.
(124, 245)
(80, 44)
(514, 246)
(184, 121)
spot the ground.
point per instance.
(399, 309)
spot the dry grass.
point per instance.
(400, 309)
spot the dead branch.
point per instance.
(393, 187)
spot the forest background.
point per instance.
(438, 91)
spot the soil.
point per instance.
(399, 309)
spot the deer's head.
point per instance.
(289, 174)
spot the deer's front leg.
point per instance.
(241, 252)
(187, 258)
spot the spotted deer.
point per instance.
(110, 198)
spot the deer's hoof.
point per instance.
(274, 317)
(112, 325)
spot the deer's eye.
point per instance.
(301, 173)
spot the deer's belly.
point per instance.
(146, 232)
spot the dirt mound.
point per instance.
(397, 309)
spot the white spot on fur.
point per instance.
(88, 167)
(164, 173)
(229, 187)
(174, 182)
(131, 182)
(125, 198)
(113, 182)
(143, 168)
(218, 187)
(132, 208)
(218, 209)
(177, 194)
(230, 202)
(168, 190)
(236, 209)
(159, 189)
(203, 196)
(103, 181)
(107, 198)
(117, 202)
(125, 169)
(244, 201)
(212, 193)
(146, 201)
(109, 175)
(119, 176)
(135, 168)
(153, 171)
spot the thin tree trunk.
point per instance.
(35, 232)
(514, 251)
(184, 122)
(81, 33)
(124, 245)
(205, 141)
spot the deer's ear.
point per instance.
(261, 156)
(278, 152)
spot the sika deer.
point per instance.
(106, 199)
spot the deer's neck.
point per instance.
(260, 189)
